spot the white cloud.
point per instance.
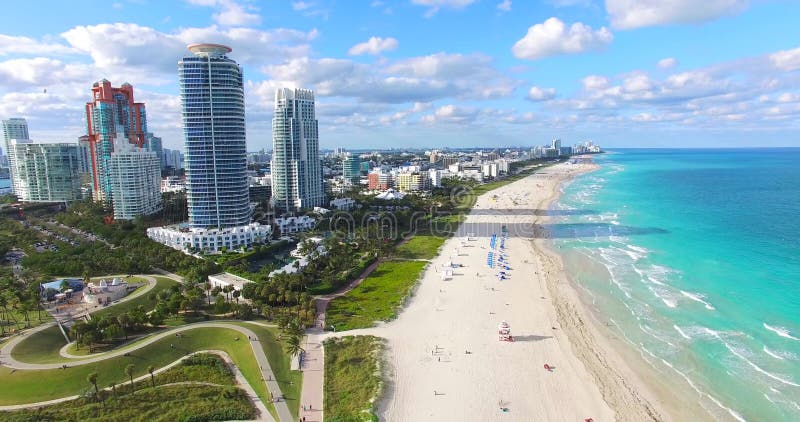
(375, 45)
(435, 5)
(301, 5)
(230, 13)
(452, 114)
(553, 38)
(629, 14)
(504, 6)
(787, 60)
(667, 63)
(24, 45)
(541, 94)
(123, 45)
(594, 82)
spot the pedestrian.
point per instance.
(304, 408)
(440, 358)
(310, 407)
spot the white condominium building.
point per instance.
(44, 172)
(296, 166)
(135, 180)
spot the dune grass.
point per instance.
(352, 378)
(420, 247)
(377, 298)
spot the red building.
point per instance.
(111, 110)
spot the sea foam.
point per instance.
(783, 332)
(697, 297)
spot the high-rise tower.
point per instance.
(296, 166)
(109, 109)
(13, 128)
(212, 97)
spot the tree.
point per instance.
(150, 369)
(129, 372)
(293, 345)
(92, 379)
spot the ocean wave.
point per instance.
(783, 332)
(664, 296)
(697, 297)
(638, 249)
(773, 354)
(749, 362)
(681, 332)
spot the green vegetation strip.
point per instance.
(377, 298)
(352, 378)
(27, 386)
(420, 247)
(164, 402)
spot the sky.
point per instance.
(429, 73)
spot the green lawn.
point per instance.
(352, 378)
(139, 298)
(24, 386)
(420, 247)
(377, 298)
(43, 346)
(159, 403)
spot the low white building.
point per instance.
(189, 240)
(173, 184)
(343, 204)
(105, 292)
(222, 280)
(287, 225)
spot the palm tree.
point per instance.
(293, 345)
(150, 369)
(92, 379)
(129, 372)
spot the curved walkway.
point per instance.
(240, 381)
(12, 342)
(258, 352)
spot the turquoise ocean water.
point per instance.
(702, 252)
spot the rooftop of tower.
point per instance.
(209, 50)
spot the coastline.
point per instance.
(444, 361)
(622, 387)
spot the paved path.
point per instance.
(313, 367)
(263, 413)
(258, 352)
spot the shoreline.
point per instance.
(654, 388)
(622, 388)
(444, 360)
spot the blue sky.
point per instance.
(430, 73)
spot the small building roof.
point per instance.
(229, 279)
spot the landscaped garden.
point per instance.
(200, 388)
(377, 298)
(352, 378)
(420, 247)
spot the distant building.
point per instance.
(45, 172)
(110, 109)
(182, 238)
(296, 166)
(13, 128)
(172, 184)
(379, 181)
(259, 193)
(351, 170)
(343, 204)
(135, 175)
(390, 195)
(223, 280)
(412, 182)
(172, 158)
(153, 143)
(289, 225)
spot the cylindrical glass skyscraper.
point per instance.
(212, 98)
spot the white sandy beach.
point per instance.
(430, 375)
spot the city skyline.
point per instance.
(406, 73)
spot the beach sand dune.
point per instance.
(445, 362)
